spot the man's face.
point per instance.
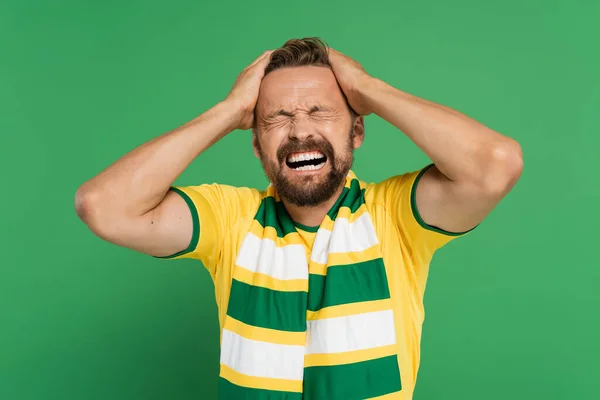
(305, 134)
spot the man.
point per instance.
(320, 277)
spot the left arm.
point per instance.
(475, 167)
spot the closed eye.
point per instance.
(275, 122)
(278, 114)
(317, 110)
(321, 113)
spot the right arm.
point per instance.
(129, 203)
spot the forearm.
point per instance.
(138, 181)
(462, 148)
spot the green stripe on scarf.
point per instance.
(266, 308)
(270, 214)
(346, 284)
(361, 380)
(352, 198)
(228, 390)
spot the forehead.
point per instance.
(298, 88)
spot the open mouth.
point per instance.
(308, 161)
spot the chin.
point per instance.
(307, 190)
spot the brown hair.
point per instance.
(300, 52)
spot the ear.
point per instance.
(359, 131)
(255, 145)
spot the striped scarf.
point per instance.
(310, 323)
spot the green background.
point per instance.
(512, 309)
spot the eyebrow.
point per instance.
(282, 112)
(278, 113)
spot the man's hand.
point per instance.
(244, 93)
(352, 78)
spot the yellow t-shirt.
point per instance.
(223, 214)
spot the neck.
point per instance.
(312, 216)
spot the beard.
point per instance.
(309, 191)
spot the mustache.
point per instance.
(295, 146)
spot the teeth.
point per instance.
(310, 167)
(306, 156)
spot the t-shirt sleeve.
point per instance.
(398, 194)
(215, 209)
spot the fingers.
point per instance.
(264, 60)
(264, 56)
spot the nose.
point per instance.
(301, 129)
